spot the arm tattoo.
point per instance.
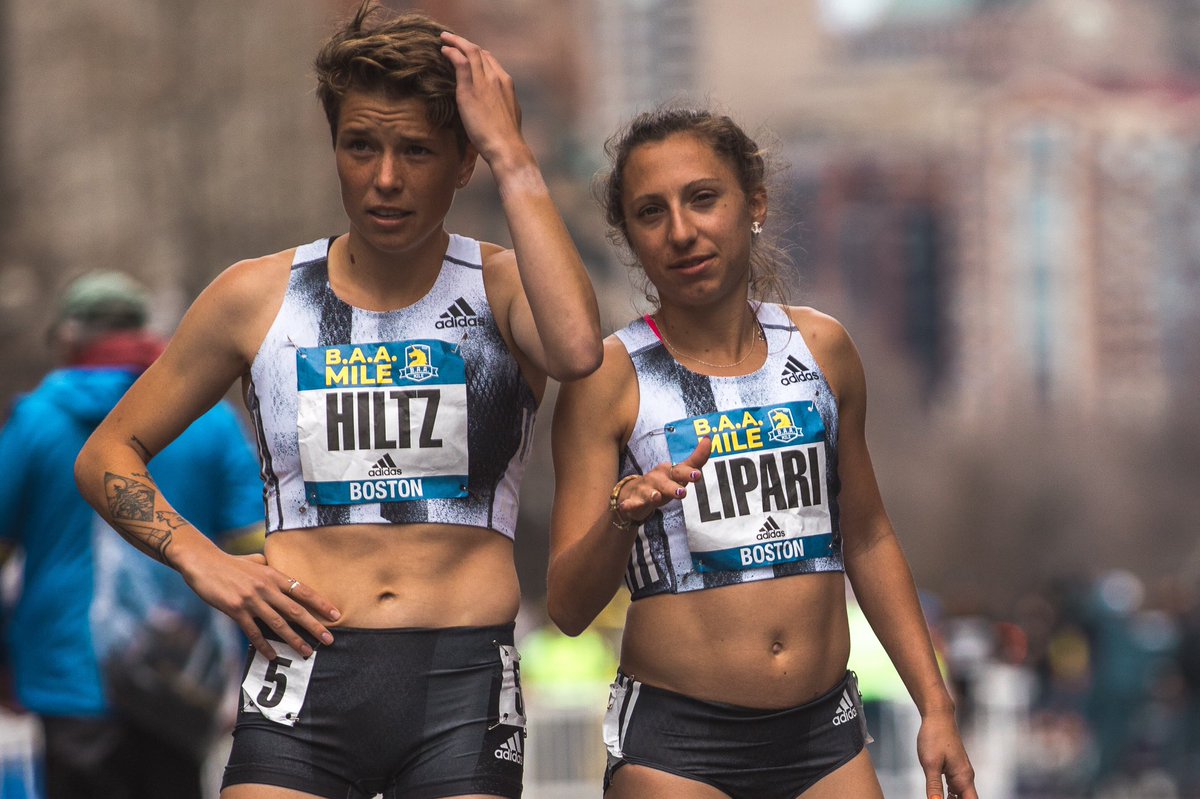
(142, 450)
(131, 504)
(171, 519)
(129, 499)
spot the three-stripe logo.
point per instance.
(794, 371)
(770, 530)
(846, 709)
(385, 467)
(513, 749)
(459, 314)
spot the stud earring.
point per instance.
(755, 228)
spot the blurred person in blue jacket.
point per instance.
(119, 659)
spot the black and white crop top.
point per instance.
(409, 416)
(766, 504)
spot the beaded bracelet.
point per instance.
(614, 504)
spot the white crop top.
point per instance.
(409, 416)
(766, 505)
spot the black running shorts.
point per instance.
(746, 753)
(417, 714)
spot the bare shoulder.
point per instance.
(491, 252)
(211, 348)
(824, 334)
(498, 262)
(817, 327)
(612, 380)
(251, 281)
(616, 370)
(607, 399)
(238, 306)
(501, 280)
(831, 345)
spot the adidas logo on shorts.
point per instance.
(795, 372)
(459, 314)
(513, 749)
(846, 710)
(385, 467)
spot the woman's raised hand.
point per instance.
(664, 483)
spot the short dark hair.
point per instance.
(399, 54)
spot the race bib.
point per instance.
(761, 498)
(276, 688)
(511, 705)
(382, 422)
(622, 699)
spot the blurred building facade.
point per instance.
(1006, 187)
(167, 139)
(1073, 171)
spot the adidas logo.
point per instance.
(513, 749)
(385, 467)
(795, 372)
(846, 710)
(770, 530)
(459, 314)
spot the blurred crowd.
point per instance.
(1113, 686)
(1087, 689)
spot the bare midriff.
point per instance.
(772, 644)
(414, 575)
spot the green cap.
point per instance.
(111, 299)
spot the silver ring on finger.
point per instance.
(292, 587)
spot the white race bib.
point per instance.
(511, 710)
(762, 496)
(622, 696)
(384, 422)
(276, 688)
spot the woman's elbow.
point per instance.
(91, 463)
(565, 614)
(577, 364)
(85, 470)
(568, 626)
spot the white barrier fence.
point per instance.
(564, 753)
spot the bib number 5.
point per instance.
(276, 688)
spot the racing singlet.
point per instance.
(766, 504)
(409, 416)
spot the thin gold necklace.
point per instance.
(756, 336)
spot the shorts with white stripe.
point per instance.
(746, 753)
(408, 713)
